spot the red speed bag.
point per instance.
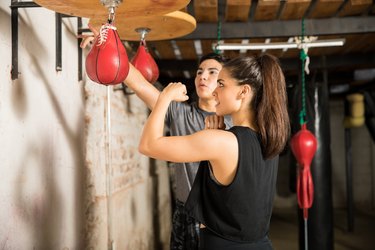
(107, 62)
(304, 145)
(144, 62)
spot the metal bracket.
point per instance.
(58, 36)
(79, 28)
(15, 5)
(14, 19)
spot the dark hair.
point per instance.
(266, 79)
(217, 57)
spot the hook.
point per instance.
(143, 31)
(111, 14)
(111, 5)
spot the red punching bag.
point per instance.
(304, 145)
(144, 62)
(107, 62)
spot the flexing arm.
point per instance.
(135, 80)
(217, 146)
(202, 145)
(153, 132)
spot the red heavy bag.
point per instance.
(144, 62)
(107, 62)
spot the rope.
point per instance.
(108, 170)
(303, 57)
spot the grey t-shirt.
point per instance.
(183, 118)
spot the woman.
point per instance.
(234, 188)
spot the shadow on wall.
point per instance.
(38, 197)
(43, 211)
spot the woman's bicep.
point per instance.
(203, 145)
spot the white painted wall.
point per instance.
(53, 160)
(41, 131)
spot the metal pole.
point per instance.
(306, 235)
(349, 174)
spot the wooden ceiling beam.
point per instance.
(266, 10)
(325, 8)
(237, 10)
(290, 28)
(355, 7)
(295, 9)
(206, 10)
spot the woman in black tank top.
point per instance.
(234, 188)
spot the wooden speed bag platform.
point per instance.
(127, 8)
(162, 27)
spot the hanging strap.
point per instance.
(303, 56)
(218, 31)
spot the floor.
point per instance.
(284, 230)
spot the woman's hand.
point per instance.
(214, 122)
(175, 91)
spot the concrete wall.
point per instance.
(61, 187)
(363, 164)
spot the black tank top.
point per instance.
(240, 211)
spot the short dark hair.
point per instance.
(217, 57)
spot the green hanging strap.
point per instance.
(303, 56)
(218, 36)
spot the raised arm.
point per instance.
(142, 88)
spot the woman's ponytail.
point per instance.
(271, 111)
(269, 103)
